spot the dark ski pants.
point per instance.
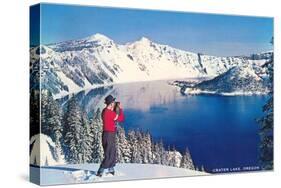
(109, 148)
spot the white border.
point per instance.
(14, 97)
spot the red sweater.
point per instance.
(108, 117)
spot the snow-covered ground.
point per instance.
(86, 173)
(43, 151)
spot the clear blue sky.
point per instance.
(205, 33)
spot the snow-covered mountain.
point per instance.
(97, 60)
(239, 80)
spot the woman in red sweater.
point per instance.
(109, 119)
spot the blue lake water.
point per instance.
(220, 131)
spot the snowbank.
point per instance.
(42, 151)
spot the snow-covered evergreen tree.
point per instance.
(96, 137)
(34, 112)
(142, 146)
(158, 153)
(169, 157)
(134, 146)
(147, 148)
(84, 141)
(123, 147)
(73, 126)
(186, 161)
(51, 119)
(119, 157)
(173, 157)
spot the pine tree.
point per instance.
(139, 155)
(119, 156)
(34, 112)
(159, 153)
(134, 147)
(123, 147)
(156, 153)
(147, 148)
(186, 161)
(72, 131)
(51, 120)
(84, 141)
(142, 147)
(165, 156)
(173, 157)
(96, 137)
